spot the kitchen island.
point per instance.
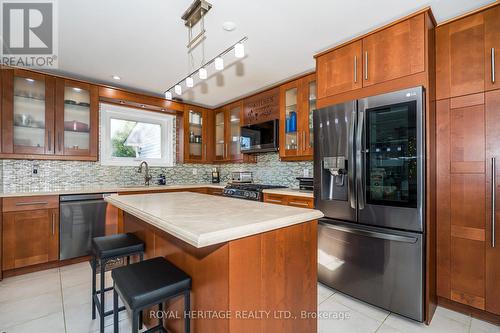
(253, 264)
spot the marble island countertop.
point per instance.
(202, 220)
(111, 188)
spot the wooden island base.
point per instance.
(261, 283)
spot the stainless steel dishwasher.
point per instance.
(82, 217)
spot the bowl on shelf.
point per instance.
(76, 126)
(69, 101)
(84, 104)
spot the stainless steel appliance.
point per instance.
(241, 177)
(258, 138)
(369, 182)
(82, 217)
(306, 183)
(247, 191)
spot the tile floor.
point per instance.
(58, 300)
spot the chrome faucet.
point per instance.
(147, 176)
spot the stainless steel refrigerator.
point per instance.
(369, 182)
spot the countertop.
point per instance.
(202, 220)
(107, 189)
(290, 191)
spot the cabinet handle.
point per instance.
(355, 69)
(32, 203)
(366, 65)
(304, 140)
(59, 141)
(492, 65)
(50, 140)
(226, 151)
(493, 198)
(275, 201)
(303, 204)
(53, 224)
(205, 151)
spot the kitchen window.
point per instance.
(130, 135)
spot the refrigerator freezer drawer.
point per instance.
(379, 266)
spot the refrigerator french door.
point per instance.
(369, 183)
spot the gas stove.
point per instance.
(247, 191)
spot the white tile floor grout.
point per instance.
(58, 300)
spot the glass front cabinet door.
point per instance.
(76, 118)
(220, 135)
(196, 122)
(289, 141)
(28, 113)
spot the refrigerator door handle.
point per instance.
(351, 158)
(372, 234)
(360, 161)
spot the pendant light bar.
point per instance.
(220, 55)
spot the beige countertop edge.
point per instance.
(221, 236)
(110, 189)
(290, 191)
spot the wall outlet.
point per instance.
(34, 169)
(195, 172)
(306, 172)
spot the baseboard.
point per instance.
(468, 310)
(44, 266)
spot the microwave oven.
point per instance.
(258, 138)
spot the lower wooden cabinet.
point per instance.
(289, 200)
(30, 237)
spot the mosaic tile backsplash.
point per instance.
(17, 175)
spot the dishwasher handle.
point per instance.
(83, 197)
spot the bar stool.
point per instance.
(104, 249)
(148, 283)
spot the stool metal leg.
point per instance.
(101, 308)
(160, 315)
(140, 320)
(93, 264)
(187, 308)
(135, 323)
(115, 310)
(128, 260)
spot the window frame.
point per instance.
(166, 121)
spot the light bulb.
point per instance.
(189, 82)
(202, 73)
(219, 63)
(178, 89)
(168, 95)
(239, 50)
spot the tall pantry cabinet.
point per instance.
(468, 164)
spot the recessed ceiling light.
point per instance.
(229, 26)
(116, 77)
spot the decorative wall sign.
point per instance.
(261, 107)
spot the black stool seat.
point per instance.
(149, 282)
(116, 245)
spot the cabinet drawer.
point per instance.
(275, 199)
(300, 202)
(30, 203)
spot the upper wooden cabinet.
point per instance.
(198, 133)
(492, 47)
(390, 53)
(460, 57)
(340, 70)
(394, 52)
(77, 106)
(297, 102)
(48, 118)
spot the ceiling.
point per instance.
(144, 42)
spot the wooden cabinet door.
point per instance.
(198, 136)
(308, 105)
(461, 194)
(30, 237)
(340, 70)
(394, 52)
(77, 129)
(290, 105)
(492, 47)
(460, 59)
(220, 137)
(27, 113)
(493, 249)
